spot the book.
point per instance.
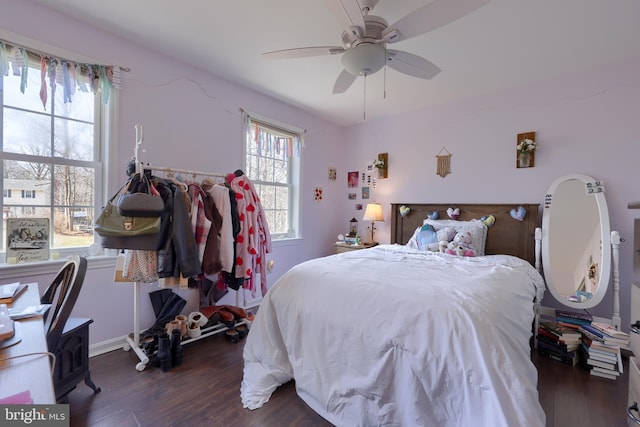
(572, 361)
(11, 291)
(566, 340)
(554, 349)
(606, 371)
(566, 347)
(594, 362)
(611, 334)
(558, 330)
(594, 336)
(574, 315)
(602, 374)
(30, 311)
(610, 330)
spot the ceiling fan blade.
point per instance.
(348, 14)
(344, 82)
(431, 16)
(303, 52)
(413, 65)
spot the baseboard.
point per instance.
(107, 346)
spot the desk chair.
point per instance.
(68, 338)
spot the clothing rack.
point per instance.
(133, 343)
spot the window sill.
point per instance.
(12, 271)
(287, 242)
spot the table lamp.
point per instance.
(373, 213)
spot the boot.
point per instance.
(176, 348)
(171, 308)
(158, 299)
(164, 352)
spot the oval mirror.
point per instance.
(576, 241)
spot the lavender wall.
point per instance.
(585, 123)
(191, 120)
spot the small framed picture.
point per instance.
(352, 179)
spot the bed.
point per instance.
(398, 336)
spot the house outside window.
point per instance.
(51, 155)
(272, 163)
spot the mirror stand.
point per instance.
(615, 278)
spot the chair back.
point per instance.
(62, 294)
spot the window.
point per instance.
(50, 154)
(272, 162)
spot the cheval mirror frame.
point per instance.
(575, 205)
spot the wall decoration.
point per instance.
(27, 240)
(317, 194)
(352, 179)
(443, 163)
(519, 213)
(526, 146)
(353, 196)
(365, 193)
(333, 174)
(358, 206)
(382, 164)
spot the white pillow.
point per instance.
(476, 227)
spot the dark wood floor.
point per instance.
(205, 391)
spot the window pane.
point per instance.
(73, 140)
(80, 107)
(23, 178)
(73, 186)
(30, 100)
(280, 171)
(72, 227)
(26, 133)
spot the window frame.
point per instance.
(104, 125)
(294, 166)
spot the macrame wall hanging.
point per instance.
(443, 163)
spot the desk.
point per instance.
(31, 373)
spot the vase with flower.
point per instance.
(526, 148)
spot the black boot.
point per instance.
(171, 308)
(158, 299)
(176, 347)
(164, 352)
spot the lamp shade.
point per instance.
(373, 212)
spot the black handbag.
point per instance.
(138, 200)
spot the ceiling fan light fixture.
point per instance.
(364, 59)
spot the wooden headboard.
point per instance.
(507, 235)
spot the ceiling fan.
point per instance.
(365, 38)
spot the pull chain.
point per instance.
(364, 100)
(384, 77)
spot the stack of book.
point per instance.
(572, 319)
(558, 342)
(601, 359)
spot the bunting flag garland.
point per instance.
(69, 75)
(443, 163)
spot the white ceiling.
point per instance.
(503, 44)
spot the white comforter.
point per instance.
(390, 336)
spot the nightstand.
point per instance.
(345, 247)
